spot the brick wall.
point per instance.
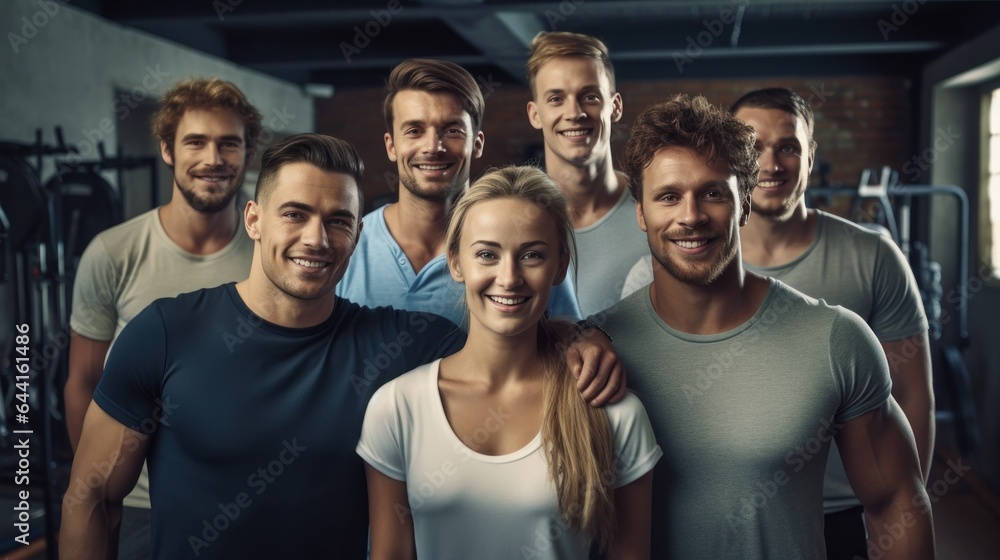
(860, 121)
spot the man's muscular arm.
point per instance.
(880, 458)
(912, 387)
(107, 464)
(86, 363)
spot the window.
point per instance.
(991, 202)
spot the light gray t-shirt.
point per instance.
(745, 419)
(604, 251)
(865, 272)
(127, 267)
(859, 269)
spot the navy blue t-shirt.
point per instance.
(256, 424)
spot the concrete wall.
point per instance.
(70, 68)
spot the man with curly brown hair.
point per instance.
(208, 132)
(746, 380)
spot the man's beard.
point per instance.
(702, 274)
(209, 202)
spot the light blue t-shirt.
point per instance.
(380, 275)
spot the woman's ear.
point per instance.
(456, 270)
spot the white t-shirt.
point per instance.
(468, 505)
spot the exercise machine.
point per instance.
(879, 202)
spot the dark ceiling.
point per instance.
(355, 43)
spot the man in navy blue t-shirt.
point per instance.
(248, 398)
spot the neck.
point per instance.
(721, 306)
(497, 359)
(274, 306)
(766, 238)
(419, 221)
(591, 190)
(197, 232)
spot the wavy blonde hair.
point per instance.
(577, 438)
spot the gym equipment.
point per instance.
(956, 379)
(44, 229)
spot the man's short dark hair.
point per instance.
(782, 99)
(325, 152)
(691, 122)
(435, 76)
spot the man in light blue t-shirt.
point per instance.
(433, 114)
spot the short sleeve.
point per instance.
(129, 390)
(380, 444)
(859, 367)
(563, 301)
(636, 451)
(898, 310)
(426, 337)
(94, 313)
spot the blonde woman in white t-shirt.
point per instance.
(491, 452)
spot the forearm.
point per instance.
(78, 393)
(86, 365)
(918, 406)
(633, 510)
(901, 529)
(913, 388)
(89, 528)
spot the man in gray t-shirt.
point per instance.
(844, 264)
(746, 380)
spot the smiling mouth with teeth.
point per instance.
(436, 167)
(691, 244)
(575, 133)
(508, 301)
(310, 264)
(768, 184)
